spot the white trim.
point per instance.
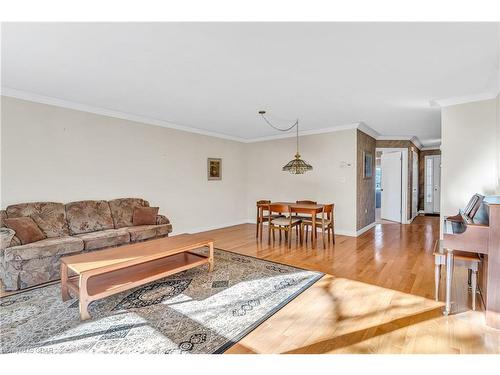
(211, 227)
(394, 137)
(404, 180)
(340, 232)
(426, 157)
(304, 132)
(430, 148)
(368, 130)
(417, 142)
(23, 95)
(365, 229)
(37, 98)
(446, 102)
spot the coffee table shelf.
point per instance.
(107, 272)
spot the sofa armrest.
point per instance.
(161, 219)
(6, 236)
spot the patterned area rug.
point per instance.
(191, 312)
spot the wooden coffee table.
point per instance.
(105, 272)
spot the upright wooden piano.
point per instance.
(477, 229)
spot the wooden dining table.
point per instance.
(309, 209)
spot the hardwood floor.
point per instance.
(377, 296)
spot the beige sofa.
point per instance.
(70, 228)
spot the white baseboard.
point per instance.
(365, 229)
(209, 227)
(252, 221)
(341, 232)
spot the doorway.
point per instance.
(414, 187)
(390, 165)
(432, 184)
(392, 194)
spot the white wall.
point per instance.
(469, 153)
(55, 154)
(328, 182)
(52, 153)
(498, 144)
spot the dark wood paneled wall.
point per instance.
(421, 175)
(365, 197)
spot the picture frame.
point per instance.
(214, 169)
(367, 165)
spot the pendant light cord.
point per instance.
(295, 124)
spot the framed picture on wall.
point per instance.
(214, 169)
(367, 165)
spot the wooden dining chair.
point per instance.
(324, 221)
(305, 216)
(284, 223)
(306, 202)
(263, 216)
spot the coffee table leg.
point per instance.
(64, 282)
(211, 257)
(84, 298)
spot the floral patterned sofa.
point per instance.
(70, 228)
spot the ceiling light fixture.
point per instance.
(296, 165)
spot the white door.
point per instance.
(414, 188)
(432, 184)
(390, 163)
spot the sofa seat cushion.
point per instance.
(142, 232)
(123, 210)
(145, 232)
(104, 238)
(49, 247)
(49, 216)
(88, 216)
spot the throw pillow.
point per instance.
(145, 215)
(26, 229)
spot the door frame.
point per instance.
(426, 157)
(415, 182)
(404, 180)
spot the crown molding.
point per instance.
(24, 95)
(37, 98)
(447, 102)
(304, 132)
(430, 148)
(367, 130)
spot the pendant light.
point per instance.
(296, 165)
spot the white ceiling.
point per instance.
(216, 76)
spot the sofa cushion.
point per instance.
(145, 232)
(49, 216)
(26, 229)
(163, 229)
(104, 238)
(88, 216)
(142, 232)
(48, 247)
(123, 210)
(145, 215)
